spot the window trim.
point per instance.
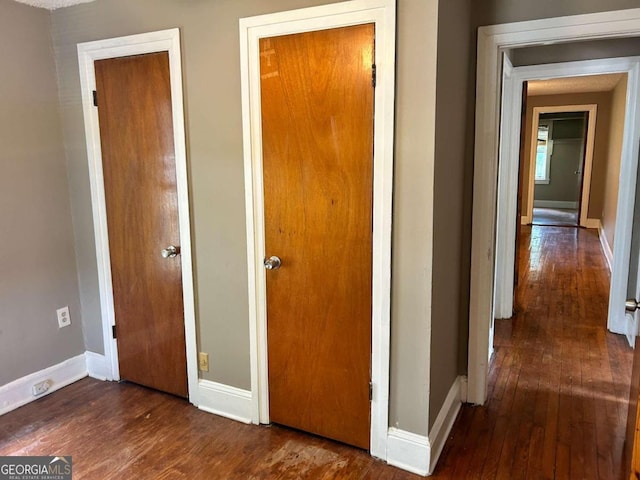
(547, 177)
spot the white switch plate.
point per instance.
(64, 320)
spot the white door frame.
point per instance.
(492, 42)
(587, 163)
(382, 13)
(88, 53)
(509, 169)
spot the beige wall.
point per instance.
(449, 317)
(37, 260)
(612, 177)
(601, 146)
(211, 54)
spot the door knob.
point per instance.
(170, 252)
(631, 305)
(272, 263)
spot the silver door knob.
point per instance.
(170, 252)
(631, 305)
(272, 263)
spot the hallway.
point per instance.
(559, 382)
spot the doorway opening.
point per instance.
(559, 166)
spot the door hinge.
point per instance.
(374, 75)
(370, 391)
(113, 331)
(95, 98)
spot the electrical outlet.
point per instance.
(64, 320)
(203, 362)
(41, 387)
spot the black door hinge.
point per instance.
(374, 75)
(95, 98)
(113, 331)
(370, 391)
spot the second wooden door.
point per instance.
(317, 132)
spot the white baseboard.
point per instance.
(606, 248)
(592, 223)
(97, 366)
(445, 420)
(223, 400)
(419, 454)
(555, 204)
(408, 451)
(19, 392)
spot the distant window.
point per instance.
(543, 153)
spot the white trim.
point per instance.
(382, 13)
(491, 42)
(417, 453)
(19, 392)
(616, 321)
(169, 41)
(96, 365)
(224, 400)
(555, 204)
(408, 451)
(606, 248)
(445, 420)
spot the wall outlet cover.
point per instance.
(64, 320)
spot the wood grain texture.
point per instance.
(317, 138)
(136, 133)
(632, 445)
(123, 431)
(558, 382)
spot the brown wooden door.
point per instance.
(632, 441)
(317, 134)
(136, 133)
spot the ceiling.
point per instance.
(588, 83)
(52, 4)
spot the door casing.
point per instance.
(592, 109)
(88, 53)
(492, 42)
(382, 14)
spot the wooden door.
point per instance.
(138, 160)
(317, 137)
(521, 183)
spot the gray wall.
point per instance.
(566, 159)
(210, 49)
(569, 52)
(37, 260)
(491, 12)
(452, 206)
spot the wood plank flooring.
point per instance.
(559, 382)
(557, 409)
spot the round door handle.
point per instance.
(170, 252)
(272, 263)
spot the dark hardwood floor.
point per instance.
(557, 408)
(559, 382)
